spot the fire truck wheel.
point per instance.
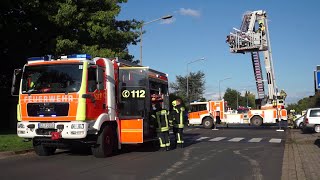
(207, 123)
(105, 143)
(256, 121)
(42, 150)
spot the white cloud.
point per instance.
(189, 12)
(211, 96)
(168, 21)
(294, 97)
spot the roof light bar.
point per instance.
(38, 59)
(86, 56)
(43, 58)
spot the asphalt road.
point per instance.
(229, 153)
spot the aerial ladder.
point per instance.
(253, 37)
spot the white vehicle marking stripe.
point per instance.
(217, 139)
(236, 139)
(255, 140)
(202, 138)
(273, 140)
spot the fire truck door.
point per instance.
(95, 92)
(132, 99)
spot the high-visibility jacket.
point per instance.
(162, 123)
(178, 116)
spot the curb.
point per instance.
(12, 153)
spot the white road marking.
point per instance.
(236, 139)
(217, 139)
(202, 138)
(273, 140)
(255, 140)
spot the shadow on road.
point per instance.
(317, 142)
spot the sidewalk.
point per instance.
(7, 154)
(301, 158)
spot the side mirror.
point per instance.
(89, 96)
(17, 74)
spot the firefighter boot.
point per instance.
(179, 145)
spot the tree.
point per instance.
(305, 103)
(36, 28)
(234, 98)
(231, 97)
(196, 87)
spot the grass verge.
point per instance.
(12, 142)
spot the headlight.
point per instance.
(21, 126)
(77, 126)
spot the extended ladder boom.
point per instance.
(253, 37)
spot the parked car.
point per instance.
(312, 120)
(298, 122)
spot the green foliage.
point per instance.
(196, 82)
(36, 28)
(234, 98)
(13, 143)
(305, 103)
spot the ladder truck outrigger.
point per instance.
(77, 101)
(252, 37)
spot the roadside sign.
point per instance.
(318, 80)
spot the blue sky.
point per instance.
(199, 28)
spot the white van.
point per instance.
(312, 120)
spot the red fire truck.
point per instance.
(102, 103)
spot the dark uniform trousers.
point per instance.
(163, 128)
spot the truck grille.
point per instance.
(48, 109)
(45, 131)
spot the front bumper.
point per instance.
(68, 130)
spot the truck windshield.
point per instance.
(62, 78)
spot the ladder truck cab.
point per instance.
(253, 37)
(100, 103)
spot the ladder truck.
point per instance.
(253, 37)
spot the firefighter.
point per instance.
(162, 125)
(178, 115)
(262, 28)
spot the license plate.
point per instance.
(46, 125)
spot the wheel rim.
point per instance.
(300, 125)
(107, 140)
(108, 143)
(207, 123)
(317, 128)
(256, 122)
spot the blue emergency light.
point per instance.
(43, 58)
(86, 56)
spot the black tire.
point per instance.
(42, 150)
(300, 125)
(207, 123)
(105, 143)
(256, 121)
(304, 130)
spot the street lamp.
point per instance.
(240, 95)
(201, 59)
(143, 24)
(219, 85)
